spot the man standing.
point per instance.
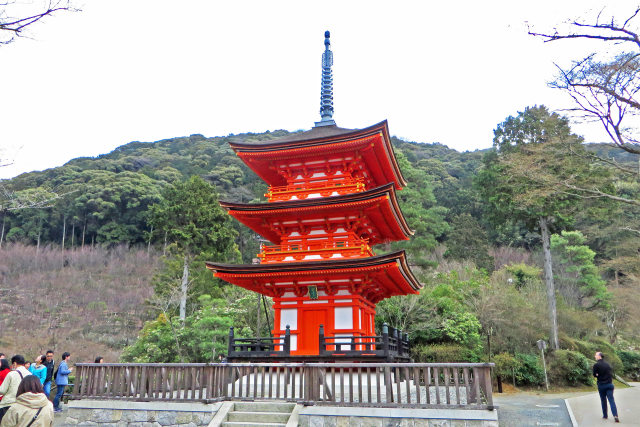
(9, 386)
(62, 380)
(604, 374)
(49, 363)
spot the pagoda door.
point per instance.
(309, 331)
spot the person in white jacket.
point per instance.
(9, 387)
(31, 408)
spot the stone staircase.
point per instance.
(260, 414)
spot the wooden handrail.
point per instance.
(422, 385)
(303, 188)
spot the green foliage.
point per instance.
(467, 240)
(589, 348)
(577, 276)
(631, 363)
(524, 369)
(566, 367)
(442, 353)
(523, 273)
(529, 370)
(421, 211)
(200, 338)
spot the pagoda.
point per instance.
(331, 199)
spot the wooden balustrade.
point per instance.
(420, 385)
(325, 188)
(346, 246)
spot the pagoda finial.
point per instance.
(326, 94)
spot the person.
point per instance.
(604, 375)
(38, 369)
(5, 368)
(9, 387)
(99, 359)
(49, 363)
(62, 379)
(31, 408)
(2, 356)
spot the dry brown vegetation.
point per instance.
(88, 302)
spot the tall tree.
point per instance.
(17, 17)
(514, 192)
(604, 84)
(195, 225)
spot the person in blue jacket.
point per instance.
(62, 379)
(38, 369)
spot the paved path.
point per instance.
(532, 409)
(587, 411)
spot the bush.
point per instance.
(529, 370)
(631, 363)
(568, 367)
(525, 367)
(442, 353)
(588, 349)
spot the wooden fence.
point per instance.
(424, 385)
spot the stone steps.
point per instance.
(260, 414)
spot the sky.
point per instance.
(118, 71)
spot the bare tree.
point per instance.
(604, 84)
(17, 17)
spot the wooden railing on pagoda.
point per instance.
(417, 385)
(301, 190)
(392, 345)
(344, 245)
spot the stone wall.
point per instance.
(139, 414)
(333, 416)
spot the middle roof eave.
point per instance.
(328, 202)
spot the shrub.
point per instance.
(588, 349)
(505, 365)
(442, 353)
(631, 363)
(568, 367)
(528, 370)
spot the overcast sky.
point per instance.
(145, 70)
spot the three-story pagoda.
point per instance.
(331, 198)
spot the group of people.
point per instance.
(25, 388)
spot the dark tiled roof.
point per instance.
(315, 133)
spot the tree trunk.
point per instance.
(548, 278)
(84, 228)
(64, 232)
(149, 244)
(164, 247)
(73, 234)
(4, 218)
(183, 288)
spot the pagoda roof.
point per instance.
(259, 155)
(379, 205)
(384, 275)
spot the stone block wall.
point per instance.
(323, 416)
(139, 414)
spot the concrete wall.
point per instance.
(334, 416)
(111, 413)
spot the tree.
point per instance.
(15, 18)
(578, 277)
(467, 240)
(514, 192)
(195, 225)
(605, 84)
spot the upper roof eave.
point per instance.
(321, 136)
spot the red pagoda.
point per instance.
(331, 198)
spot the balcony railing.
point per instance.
(414, 385)
(303, 190)
(347, 248)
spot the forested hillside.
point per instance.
(89, 252)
